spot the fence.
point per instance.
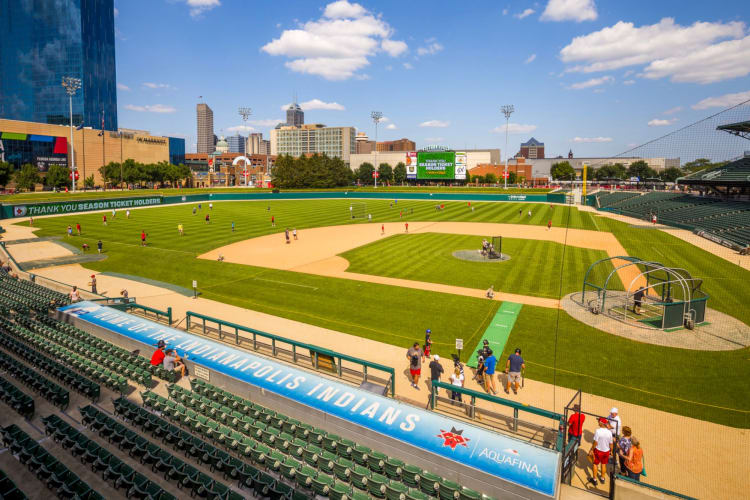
(128, 305)
(650, 487)
(471, 409)
(322, 359)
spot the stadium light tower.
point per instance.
(245, 114)
(507, 110)
(376, 117)
(71, 86)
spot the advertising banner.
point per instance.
(42, 151)
(436, 165)
(513, 460)
(460, 165)
(411, 165)
(69, 207)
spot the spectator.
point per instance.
(634, 461)
(513, 368)
(6, 267)
(124, 294)
(600, 448)
(93, 283)
(172, 362)
(575, 424)
(436, 369)
(414, 355)
(614, 422)
(623, 448)
(457, 379)
(158, 357)
(427, 344)
(489, 374)
(75, 295)
(480, 368)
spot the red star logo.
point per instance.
(453, 438)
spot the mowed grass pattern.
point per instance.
(534, 269)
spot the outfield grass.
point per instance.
(703, 385)
(535, 267)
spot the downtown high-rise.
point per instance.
(206, 137)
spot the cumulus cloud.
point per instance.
(391, 126)
(514, 128)
(430, 49)
(530, 59)
(198, 7)
(122, 86)
(723, 101)
(569, 10)
(237, 129)
(156, 108)
(699, 53)
(525, 13)
(593, 82)
(658, 122)
(317, 104)
(435, 123)
(337, 45)
(591, 139)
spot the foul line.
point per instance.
(286, 283)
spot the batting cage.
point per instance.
(358, 210)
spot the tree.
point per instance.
(88, 182)
(386, 173)
(316, 171)
(512, 178)
(641, 170)
(670, 174)
(478, 179)
(701, 164)
(399, 173)
(490, 178)
(57, 176)
(616, 171)
(27, 177)
(6, 173)
(365, 173)
(562, 171)
(110, 173)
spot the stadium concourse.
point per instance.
(673, 460)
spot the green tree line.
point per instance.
(152, 174)
(564, 171)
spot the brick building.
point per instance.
(403, 144)
(217, 169)
(519, 167)
(532, 149)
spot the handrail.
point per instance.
(557, 417)
(655, 488)
(315, 351)
(128, 304)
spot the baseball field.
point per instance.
(389, 288)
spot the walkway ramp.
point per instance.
(498, 331)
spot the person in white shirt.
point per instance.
(457, 379)
(600, 450)
(75, 295)
(614, 422)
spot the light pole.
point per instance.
(245, 114)
(376, 117)
(71, 86)
(507, 110)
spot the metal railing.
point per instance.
(655, 488)
(319, 356)
(129, 304)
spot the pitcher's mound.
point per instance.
(476, 256)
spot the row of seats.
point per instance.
(46, 365)
(43, 322)
(19, 401)
(608, 199)
(92, 369)
(46, 467)
(296, 448)
(49, 390)
(122, 366)
(25, 295)
(9, 490)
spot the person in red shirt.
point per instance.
(382, 229)
(549, 224)
(143, 238)
(406, 227)
(158, 357)
(78, 228)
(575, 424)
(273, 221)
(104, 219)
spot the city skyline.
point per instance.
(597, 79)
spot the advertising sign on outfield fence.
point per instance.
(70, 207)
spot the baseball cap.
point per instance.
(93, 275)
(161, 343)
(428, 331)
(614, 410)
(436, 357)
(518, 350)
(603, 420)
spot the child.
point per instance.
(99, 246)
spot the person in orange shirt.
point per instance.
(634, 462)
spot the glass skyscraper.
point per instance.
(41, 41)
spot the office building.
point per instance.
(294, 115)
(206, 137)
(398, 145)
(236, 143)
(532, 149)
(256, 145)
(40, 43)
(363, 144)
(314, 138)
(176, 150)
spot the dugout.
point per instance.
(657, 296)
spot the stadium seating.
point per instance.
(19, 401)
(611, 199)
(44, 387)
(24, 296)
(9, 490)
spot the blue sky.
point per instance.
(595, 76)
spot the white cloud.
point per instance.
(593, 82)
(505, 11)
(152, 85)
(697, 53)
(514, 128)
(591, 139)
(674, 110)
(391, 126)
(394, 48)
(628, 82)
(722, 101)
(156, 108)
(435, 123)
(198, 7)
(241, 128)
(429, 50)
(408, 66)
(569, 10)
(266, 123)
(525, 13)
(434, 139)
(337, 45)
(530, 59)
(316, 104)
(122, 86)
(658, 122)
